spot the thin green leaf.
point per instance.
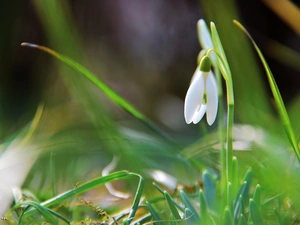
(222, 60)
(111, 94)
(277, 96)
(174, 221)
(235, 177)
(242, 220)
(226, 217)
(256, 196)
(121, 175)
(278, 216)
(239, 209)
(143, 220)
(209, 185)
(255, 214)
(186, 201)
(154, 214)
(136, 200)
(175, 202)
(204, 215)
(43, 210)
(172, 206)
(188, 214)
(230, 196)
(241, 192)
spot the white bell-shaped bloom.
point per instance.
(201, 97)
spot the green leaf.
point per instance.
(43, 210)
(235, 177)
(136, 200)
(121, 175)
(162, 192)
(239, 208)
(172, 206)
(230, 196)
(256, 196)
(188, 214)
(255, 213)
(204, 215)
(241, 194)
(242, 220)
(186, 201)
(222, 60)
(277, 96)
(209, 185)
(154, 214)
(111, 94)
(226, 217)
(278, 216)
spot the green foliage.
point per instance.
(209, 190)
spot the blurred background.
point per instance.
(145, 50)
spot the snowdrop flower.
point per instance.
(202, 95)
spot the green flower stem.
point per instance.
(226, 154)
(221, 128)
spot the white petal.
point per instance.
(205, 39)
(204, 35)
(199, 114)
(193, 98)
(212, 98)
(196, 74)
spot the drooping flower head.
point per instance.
(202, 95)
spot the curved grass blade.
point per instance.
(223, 64)
(242, 220)
(209, 185)
(136, 200)
(43, 210)
(239, 209)
(226, 218)
(175, 202)
(172, 206)
(121, 175)
(277, 96)
(204, 216)
(188, 215)
(256, 196)
(194, 217)
(110, 93)
(154, 214)
(143, 220)
(255, 213)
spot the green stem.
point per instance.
(230, 115)
(229, 132)
(221, 131)
(230, 119)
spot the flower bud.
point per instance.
(205, 64)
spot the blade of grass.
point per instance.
(172, 206)
(154, 214)
(43, 210)
(162, 192)
(111, 94)
(195, 219)
(121, 175)
(204, 215)
(255, 213)
(277, 96)
(136, 200)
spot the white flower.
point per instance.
(202, 96)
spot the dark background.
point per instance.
(146, 50)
